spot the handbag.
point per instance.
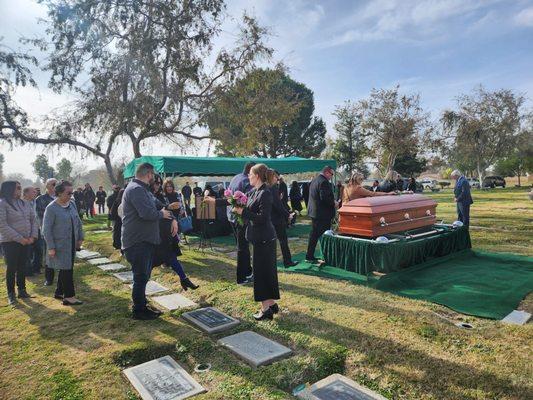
(185, 223)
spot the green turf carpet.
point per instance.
(488, 285)
(298, 230)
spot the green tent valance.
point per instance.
(223, 166)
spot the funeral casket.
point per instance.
(377, 216)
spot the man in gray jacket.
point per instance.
(140, 235)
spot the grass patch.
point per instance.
(393, 345)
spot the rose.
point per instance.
(227, 193)
(243, 199)
(238, 194)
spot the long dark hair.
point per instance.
(7, 191)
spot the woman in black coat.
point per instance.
(260, 232)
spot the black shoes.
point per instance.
(247, 280)
(275, 308)
(263, 315)
(313, 260)
(153, 309)
(24, 295)
(58, 296)
(145, 315)
(291, 264)
(187, 284)
(11, 299)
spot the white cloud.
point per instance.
(524, 17)
(407, 21)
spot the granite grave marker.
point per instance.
(255, 349)
(210, 320)
(163, 379)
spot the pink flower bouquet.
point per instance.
(237, 199)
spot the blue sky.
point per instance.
(342, 49)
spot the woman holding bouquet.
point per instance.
(260, 232)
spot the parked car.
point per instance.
(474, 183)
(493, 181)
(428, 184)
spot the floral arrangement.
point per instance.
(237, 199)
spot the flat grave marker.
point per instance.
(174, 301)
(338, 387)
(112, 267)
(163, 379)
(152, 287)
(255, 349)
(232, 254)
(517, 317)
(86, 254)
(210, 320)
(125, 277)
(99, 261)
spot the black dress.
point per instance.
(260, 232)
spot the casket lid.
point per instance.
(381, 204)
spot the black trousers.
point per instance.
(16, 258)
(244, 267)
(463, 213)
(281, 233)
(265, 272)
(101, 208)
(65, 283)
(318, 227)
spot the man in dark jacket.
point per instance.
(197, 191)
(186, 191)
(100, 199)
(41, 203)
(321, 209)
(140, 235)
(463, 198)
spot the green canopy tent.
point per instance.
(223, 166)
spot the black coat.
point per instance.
(321, 199)
(280, 215)
(257, 214)
(387, 187)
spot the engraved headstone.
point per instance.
(99, 261)
(174, 301)
(338, 387)
(517, 317)
(162, 379)
(255, 349)
(112, 267)
(126, 276)
(210, 320)
(86, 254)
(152, 287)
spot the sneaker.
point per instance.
(48, 283)
(247, 280)
(153, 309)
(11, 299)
(145, 315)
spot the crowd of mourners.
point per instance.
(44, 231)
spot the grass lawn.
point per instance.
(399, 347)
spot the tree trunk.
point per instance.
(480, 173)
(110, 171)
(137, 148)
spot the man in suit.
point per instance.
(321, 209)
(462, 195)
(186, 191)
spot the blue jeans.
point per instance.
(140, 257)
(176, 266)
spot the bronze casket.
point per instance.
(376, 216)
